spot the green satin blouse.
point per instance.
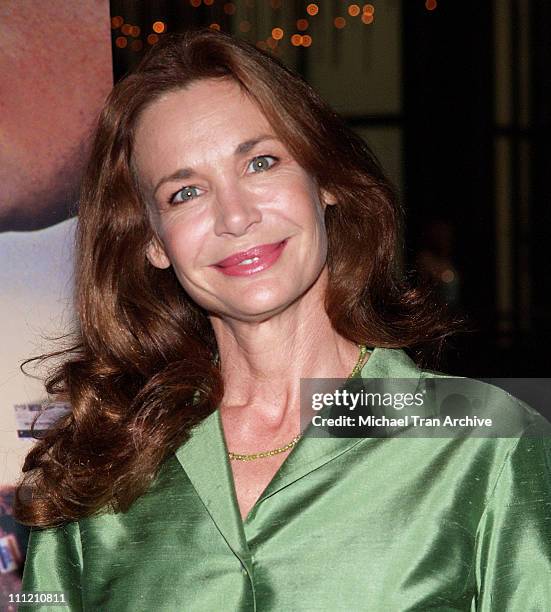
(346, 524)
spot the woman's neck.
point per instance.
(262, 363)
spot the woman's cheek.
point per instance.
(184, 241)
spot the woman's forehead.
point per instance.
(204, 103)
(210, 117)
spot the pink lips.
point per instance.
(263, 257)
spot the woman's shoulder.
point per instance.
(496, 407)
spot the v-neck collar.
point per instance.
(204, 457)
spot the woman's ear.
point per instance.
(156, 255)
(327, 198)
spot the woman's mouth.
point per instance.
(252, 261)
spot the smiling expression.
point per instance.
(219, 182)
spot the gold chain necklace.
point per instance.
(282, 449)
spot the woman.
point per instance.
(235, 237)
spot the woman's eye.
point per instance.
(185, 194)
(262, 162)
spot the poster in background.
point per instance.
(56, 67)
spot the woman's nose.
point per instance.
(236, 210)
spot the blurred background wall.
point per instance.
(454, 97)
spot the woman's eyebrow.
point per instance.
(241, 149)
(248, 145)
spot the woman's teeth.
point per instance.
(248, 261)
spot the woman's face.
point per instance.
(219, 182)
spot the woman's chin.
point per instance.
(260, 302)
(253, 310)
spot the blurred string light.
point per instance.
(312, 9)
(368, 14)
(127, 30)
(301, 40)
(365, 12)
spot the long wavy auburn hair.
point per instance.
(142, 348)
